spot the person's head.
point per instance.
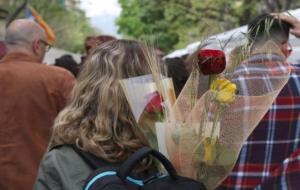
(177, 71)
(93, 41)
(26, 36)
(99, 119)
(265, 27)
(67, 62)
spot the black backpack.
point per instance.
(111, 177)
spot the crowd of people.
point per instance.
(46, 110)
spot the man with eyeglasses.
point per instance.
(31, 96)
(270, 158)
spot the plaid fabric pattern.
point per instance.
(264, 158)
(286, 176)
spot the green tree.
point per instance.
(175, 23)
(145, 19)
(70, 25)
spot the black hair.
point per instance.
(67, 62)
(176, 70)
(265, 27)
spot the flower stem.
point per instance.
(211, 78)
(215, 124)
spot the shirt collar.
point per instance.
(268, 51)
(261, 58)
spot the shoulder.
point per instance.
(64, 161)
(58, 156)
(58, 80)
(59, 151)
(62, 155)
(292, 88)
(63, 166)
(57, 72)
(48, 73)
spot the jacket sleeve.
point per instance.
(65, 82)
(59, 83)
(65, 89)
(47, 178)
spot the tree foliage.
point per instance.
(175, 23)
(70, 25)
(145, 19)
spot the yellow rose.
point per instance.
(225, 90)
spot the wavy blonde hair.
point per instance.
(99, 119)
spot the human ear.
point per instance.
(35, 47)
(285, 50)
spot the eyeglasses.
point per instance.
(48, 46)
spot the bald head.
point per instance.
(27, 37)
(23, 32)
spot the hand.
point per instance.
(292, 21)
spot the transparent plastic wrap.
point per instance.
(203, 131)
(206, 134)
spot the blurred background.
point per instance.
(169, 24)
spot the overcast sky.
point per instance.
(102, 14)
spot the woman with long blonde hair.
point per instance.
(98, 119)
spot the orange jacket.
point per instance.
(31, 95)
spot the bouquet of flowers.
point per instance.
(209, 127)
(149, 102)
(205, 127)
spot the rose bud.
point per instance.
(155, 103)
(211, 61)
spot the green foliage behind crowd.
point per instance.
(69, 24)
(169, 24)
(175, 23)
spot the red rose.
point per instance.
(211, 61)
(155, 103)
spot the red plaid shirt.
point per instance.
(284, 177)
(270, 157)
